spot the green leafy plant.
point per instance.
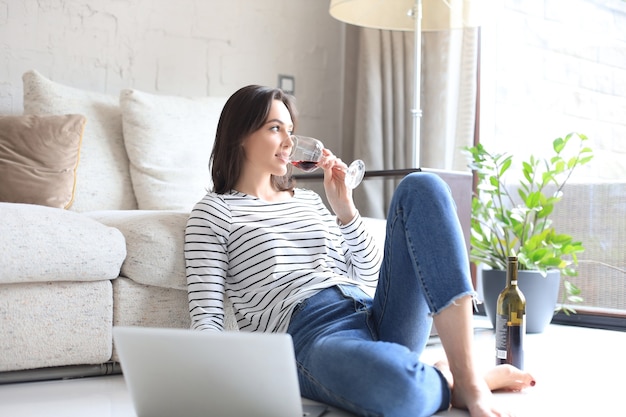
(504, 225)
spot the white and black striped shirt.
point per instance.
(267, 257)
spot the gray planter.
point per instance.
(540, 292)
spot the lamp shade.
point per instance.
(398, 14)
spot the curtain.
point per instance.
(449, 94)
(382, 123)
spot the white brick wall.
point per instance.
(182, 47)
(560, 64)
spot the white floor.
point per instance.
(579, 372)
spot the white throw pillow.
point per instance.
(103, 178)
(169, 140)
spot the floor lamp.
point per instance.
(408, 15)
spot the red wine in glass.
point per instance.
(306, 166)
(307, 152)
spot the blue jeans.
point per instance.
(361, 353)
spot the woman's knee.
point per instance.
(425, 182)
(420, 187)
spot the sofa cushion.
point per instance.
(39, 157)
(154, 242)
(169, 140)
(103, 175)
(55, 324)
(49, 244)
(150, 306)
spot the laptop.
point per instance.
(173, 372)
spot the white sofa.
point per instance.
(115, 256)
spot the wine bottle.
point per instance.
(511, 320)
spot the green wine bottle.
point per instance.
(511, 320)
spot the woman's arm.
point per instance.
(339, 196)
(362, 253)
(206, 264)
(363, 257)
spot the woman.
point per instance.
(288, 265)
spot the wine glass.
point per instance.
(307, 152)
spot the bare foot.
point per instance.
(475, 395)
(444, 368)
(508, 378)
(498, 378)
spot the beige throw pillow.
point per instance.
(38, 158)
(169, 140)
(104, 180)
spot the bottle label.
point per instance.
(510, 340)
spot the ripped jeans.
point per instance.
(362, 354)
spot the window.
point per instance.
(549, 68)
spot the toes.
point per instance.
(509, 378)
(513, 379)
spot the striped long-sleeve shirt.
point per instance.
(267, 257)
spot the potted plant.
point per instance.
(513, 218)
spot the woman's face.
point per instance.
(267, 149)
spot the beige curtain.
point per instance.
(380, 121)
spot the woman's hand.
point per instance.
(339, 196)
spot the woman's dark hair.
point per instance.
(245, 112)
